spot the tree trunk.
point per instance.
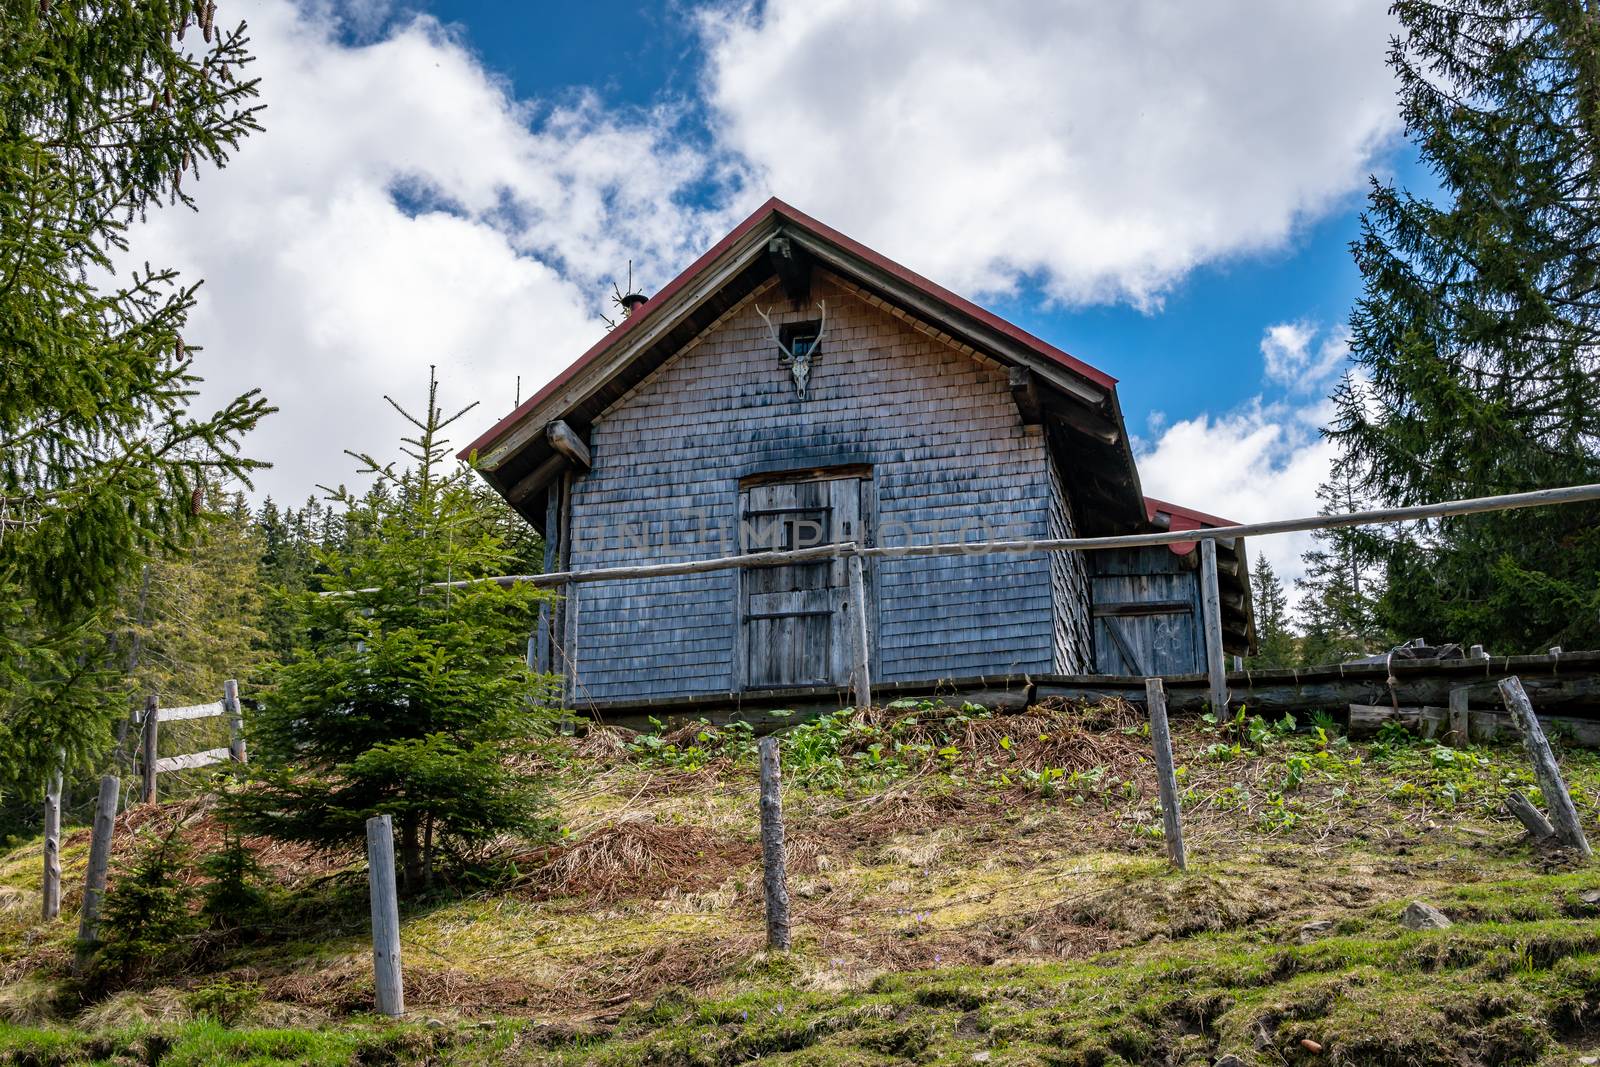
(410, 854)
(427, 853)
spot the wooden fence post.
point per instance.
(776, 883)
(860, 643)
(1563, 816)
(230, 702)
(152, 725)
(1211, 604)
(52, 843)
(388, 984)
(94, 880)
(1166, 778)
(1460, 719)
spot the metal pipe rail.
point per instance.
(1478, 505)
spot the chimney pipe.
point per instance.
(632, 302)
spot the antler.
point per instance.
(788, 354)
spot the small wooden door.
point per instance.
(1146, 613)
(793, 618)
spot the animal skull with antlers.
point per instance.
(799, 364)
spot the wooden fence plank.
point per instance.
(191, 760)
(193, 711)
(860, 643)
(230, 701)
(152, 735)
(1211, 607)
(774, 882)
(51, 906)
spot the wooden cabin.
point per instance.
(792, 388)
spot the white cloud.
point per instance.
(403, 207)
(1107, 147)
(327, 292)
(1293, 359)
(1263, 461)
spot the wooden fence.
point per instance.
(1216, 666)
(152, 765)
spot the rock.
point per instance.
(1314, 1046)
(1589, 1059)
(980, 1057)
(1420, 916)
(435, 1024)
(1309, 932)
(1228, 1059)
(1590, 896)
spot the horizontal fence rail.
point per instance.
(1207, 537)
(1476, 506)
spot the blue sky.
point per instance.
(1199, 352)
(1166, 190)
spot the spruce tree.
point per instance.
(406, 698)
(1341, 580)
(107, 108)
(1275, 641)
(202, 616)
(1477, 337)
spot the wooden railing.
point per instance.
(1208, 537)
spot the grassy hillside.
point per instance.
(968, 888)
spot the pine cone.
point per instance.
(197, 499)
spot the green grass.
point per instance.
(204, 1044)
(975, 892)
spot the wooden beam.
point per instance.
(565, 440)
(1144, 607)
(1211, 610)
(94, 878)
(793, 267)
(1025, 392)
(536, 479)
(1085, 421)
(1166, 777)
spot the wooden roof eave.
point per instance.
(593, 376)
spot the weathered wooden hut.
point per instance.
(792, 387)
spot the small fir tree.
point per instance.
(1337, 591)
(148, 917)
(407, 699)
(1275, 642)
(234, 897)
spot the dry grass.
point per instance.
(636, 856)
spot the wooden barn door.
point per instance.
(1146, 614)
(793, 617)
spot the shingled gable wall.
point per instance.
(948, 451)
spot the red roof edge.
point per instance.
(1183, 519)
(774, 206)
(1200, 518)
